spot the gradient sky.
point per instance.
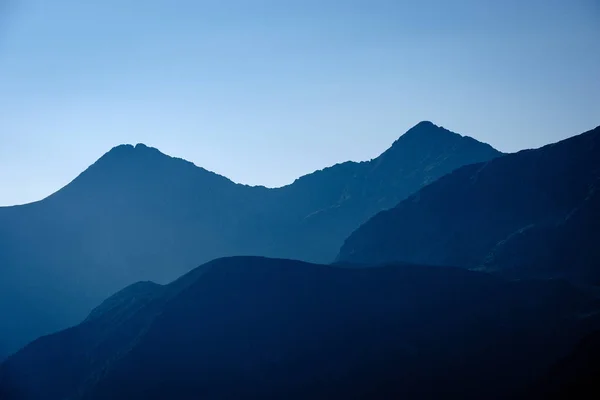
(263, 91)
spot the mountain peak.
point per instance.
(133, 166)
(425, 133)
(428, 129)
(143, 147)
(129, 148)
(120, 149)
(425, 136)
(425, 125)
(129, 152)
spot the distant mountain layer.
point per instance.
(137, 214)
(257, 328)
(535, 213)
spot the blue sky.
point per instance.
(263, 91)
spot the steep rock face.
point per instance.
(251, 327)
(137, 214)
(531, 213)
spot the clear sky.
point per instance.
(263, 91)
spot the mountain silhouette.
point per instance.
(137, 214)
(533, 213)
(252, 327)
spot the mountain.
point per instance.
(252, 327)
(137, 214)
(533, 213)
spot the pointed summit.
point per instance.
(427, 129)
(426, 134)
(427, 139)
(424, 125)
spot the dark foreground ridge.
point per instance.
(258, 328)
(574, 376)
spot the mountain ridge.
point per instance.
(317, 331)
(487, 214)
(420, 129)
(138, 214)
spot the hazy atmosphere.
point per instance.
(265, 91)
(299, 199)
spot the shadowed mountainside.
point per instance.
(575, 376)
(250, 327)
(533, 213)
(137, 214)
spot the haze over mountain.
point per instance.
(438, 268)
(533, 213)
(137, 214)
(383, 322)
(251, 327)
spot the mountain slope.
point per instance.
(250, 327)
(535, 212)
(137, 214)
(333, 202)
